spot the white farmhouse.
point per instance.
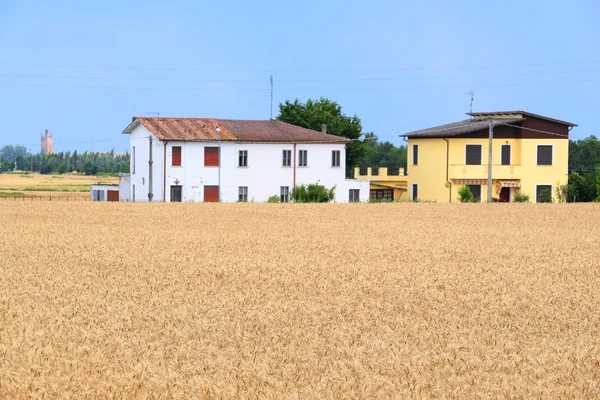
(206, 159)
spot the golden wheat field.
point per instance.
(35, 186)
(114, 300)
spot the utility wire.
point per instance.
(292, 89)
(108, 78)
(295, 69)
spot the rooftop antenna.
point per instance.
(271, 97)
(153, 113)
(471, 105)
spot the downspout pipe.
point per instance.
(294, 165)
(447, 166)
(165, 174)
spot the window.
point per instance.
(473, 154)
(212, 194)
(243, 161)
(505, 156)
(354, 196)
(375, 171)
(543, 194)
(382, 194)
(287, 158)
(415, 192)
(284, 194)
(415, 160)
(544, 154)
(211, 156)
(476, 190)
(243, 193)
(133, 160)
(302, 158)
(176, 156)
(362, 170)
(176, 194)
(335, 158)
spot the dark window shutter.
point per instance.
(415, 154)
(544, 155)
(505, 154)
(211, 156)
(415, 191)
(473, 154)
(176, 156)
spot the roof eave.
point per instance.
(134, 124)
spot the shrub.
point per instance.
(521, 198)
(545, 196)
(312, 193)
(274, 199)
(465, 195)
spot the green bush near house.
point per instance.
(545, 196)
(312, 193)
(521, 198)
(465, 195)
(274, 199)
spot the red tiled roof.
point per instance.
(204, 129)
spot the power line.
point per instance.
(108, 78)
(295, 69)
(365, 89)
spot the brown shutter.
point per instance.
(473, 154)
(211, 156)
(211, 194)
(544, 155)
(176, 158)
(505, 154)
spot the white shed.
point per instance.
(101, 192)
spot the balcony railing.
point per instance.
(461, 171)
(379, 173)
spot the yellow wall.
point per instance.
(430, 174)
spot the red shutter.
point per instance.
(211, 194)
(211, 156)
(176, 159)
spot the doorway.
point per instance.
(176, 194)
(504, 196)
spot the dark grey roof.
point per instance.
(523, 113)
(460, 128)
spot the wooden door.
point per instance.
(211, 194)
(112, 195)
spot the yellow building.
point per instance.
(386, 183)
(529, 155)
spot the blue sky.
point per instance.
(83, 69)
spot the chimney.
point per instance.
(323, 128)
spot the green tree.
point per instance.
(581, 188)
(598, 184)
(314, 113)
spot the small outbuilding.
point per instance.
(101, 192)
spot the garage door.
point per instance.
(112, 195)
(211, 194)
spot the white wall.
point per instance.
(139, 176)
(124, 188)
(264, 175)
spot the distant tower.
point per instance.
(47, 143)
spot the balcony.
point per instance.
(461, 171)
(390, 173)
